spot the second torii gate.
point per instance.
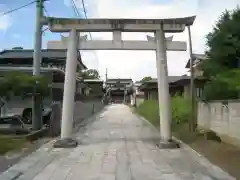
(159, 43)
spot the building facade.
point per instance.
(52, 65)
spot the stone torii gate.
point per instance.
(159, 43)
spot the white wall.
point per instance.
(222, 118)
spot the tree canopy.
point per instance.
(18, 83)
(147, 78)
(223, 52)
(90, 74)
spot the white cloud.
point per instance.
(5, 22)
(137, 64)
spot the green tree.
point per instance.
(90, 74)
(147, 78)
(223, 52)
(18, 83)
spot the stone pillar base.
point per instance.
(168, 145)
(65, 143)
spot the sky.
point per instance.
(17, 29)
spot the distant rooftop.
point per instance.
(171, 79)
(51, 54)
(119, 80)
(93, 80)
(30, 69)
(199, 57)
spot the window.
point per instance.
(199, 92)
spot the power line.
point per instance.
(78, 14)
(84, 9)
(47, 28)
(45, 10)
(18, 8)
(85, 15)
(75, 8)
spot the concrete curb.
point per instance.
(203, 160)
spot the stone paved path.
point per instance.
(117, 145)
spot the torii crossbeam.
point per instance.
(117, 45)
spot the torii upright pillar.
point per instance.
(163, 91)
(69, 93)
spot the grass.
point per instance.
(149, 110)
(181, 109)
(10, 143)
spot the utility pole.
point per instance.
(192, 87)
(37, 101)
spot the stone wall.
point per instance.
(84, 110)
(222, 118)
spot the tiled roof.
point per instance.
(30, 69)
(199, 57)
(58, 54)
(119, 80)
(93, 80)
(171, 79)
(28, 53)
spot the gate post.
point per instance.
(69, 93)
(163, 91)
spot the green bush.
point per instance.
(19, 83)
(149, 110)
(181, 109)
(223, 86)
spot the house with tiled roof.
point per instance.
(179, 85)
(150, 88)
(197, 59)
(52, 65)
